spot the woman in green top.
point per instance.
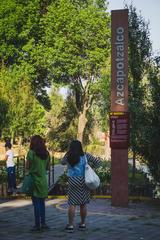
(38, 160)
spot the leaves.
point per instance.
(23, 113)
(45, 42)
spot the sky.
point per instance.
(150, 10)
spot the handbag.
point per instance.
(28, 185)
(92, 180)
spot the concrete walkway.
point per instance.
(137, 222)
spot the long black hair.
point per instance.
(37, 144)
(74, 153)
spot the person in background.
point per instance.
(9, 157)
(38, 161)
(78, 193)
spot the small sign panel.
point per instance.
(119, 130)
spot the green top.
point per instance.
(37, 168)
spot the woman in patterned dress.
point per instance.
(78, 193)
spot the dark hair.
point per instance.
(74, 153)
(37, 145)
(8, 145)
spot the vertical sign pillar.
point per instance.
(119, 120)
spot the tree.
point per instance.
(139, 56)
(150, 145)
(77, 43)
(24, 114)
(3, 115)
(20, 34)
(61, 120)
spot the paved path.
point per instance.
(138, 222)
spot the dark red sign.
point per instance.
(119, 60)
(119, 130)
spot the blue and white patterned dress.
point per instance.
(78, 193)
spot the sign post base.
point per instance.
(119, 181)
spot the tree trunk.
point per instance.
(20, 145)
(12, 137)
(134, 165)
(82, 120)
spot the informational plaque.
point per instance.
(119, 130)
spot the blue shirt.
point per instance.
(78, 169)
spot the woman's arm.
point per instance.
(95, 161)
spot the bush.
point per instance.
(140, 176)
(3, 174)
(63, 179)
(104, 172)
(98, 150)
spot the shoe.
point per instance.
(45, 227)
(9, 191)
(14, 192)
(82, 226)
(69, 228)
(35, 229)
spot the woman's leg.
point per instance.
(36, 205)
(71, 214)
(83, 213)
(42, 211)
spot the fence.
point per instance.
(144, 190)
(20, 173)
(105, 190)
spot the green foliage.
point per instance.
(95, 149)
(76, 40)
(144, 91)
(63, 179)
(20, 35)
(3, 171)
(140, 178)
(139, 53)
(76, 48)
(25, 116)
(101, 103)
(3, 113)
(150, 145)
(52, 41)
(18, 25)
(104, 172)
(61, 121)
(3, 174)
